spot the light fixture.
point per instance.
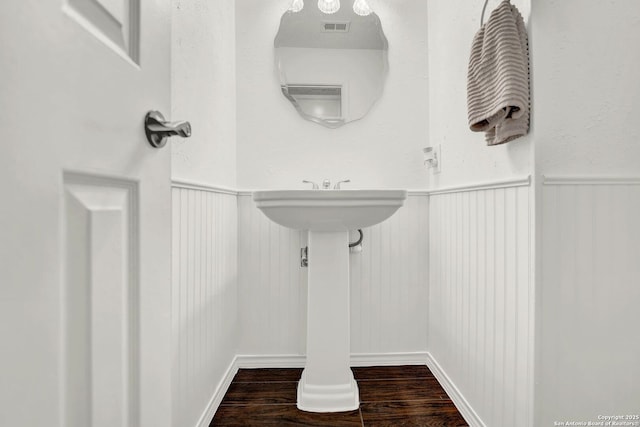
(362, 8)
(329, 6)
(296, 5)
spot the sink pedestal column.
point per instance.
(327, 383)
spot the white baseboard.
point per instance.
(250, 361)
(388, 359)
(218, 395)
(470, 416)
(253, 361)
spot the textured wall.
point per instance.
(203, 90)
(586, 104)
(277, 148)
(465, 156)
(481, 299)
(388, 284)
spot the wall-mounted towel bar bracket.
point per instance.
(484, 9)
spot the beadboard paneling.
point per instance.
(388, 284)
(204, 298)
(589, 340)
(481, 299)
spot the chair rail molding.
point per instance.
(590, 180)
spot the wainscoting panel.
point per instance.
(204, 299)
(481, 299)
(588, 336)
(388, 284)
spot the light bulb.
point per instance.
(329, 6)
(361, 7)
(296, 5)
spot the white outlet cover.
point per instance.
(438, 153)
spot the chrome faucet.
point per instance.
(337, 186)
(326, 184)
(315, 186)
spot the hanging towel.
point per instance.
(498, 77)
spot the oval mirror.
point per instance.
(332, 67)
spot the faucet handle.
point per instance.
(315, 186)
(337, 186)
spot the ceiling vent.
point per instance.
(335, 27)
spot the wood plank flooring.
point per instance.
(389, 396)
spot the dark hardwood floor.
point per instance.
(389, 396)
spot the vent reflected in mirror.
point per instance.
(332, 67)
(321, 102)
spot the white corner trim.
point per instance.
(191, 185)
(591, 180)
(491, 185)
(218, 394)
(455, 395)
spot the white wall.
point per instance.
(277, 148)
(585, 103)
(203, 90)
(204, 284)
(466, 158)
(587, 87)
(388, 285)
(481, 242)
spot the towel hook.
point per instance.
(483, 10)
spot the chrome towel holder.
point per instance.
(484, 8)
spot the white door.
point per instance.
(84, 214)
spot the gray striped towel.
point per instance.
(498, 77)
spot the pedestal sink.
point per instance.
(327, 383)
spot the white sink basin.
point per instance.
(329, 210)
